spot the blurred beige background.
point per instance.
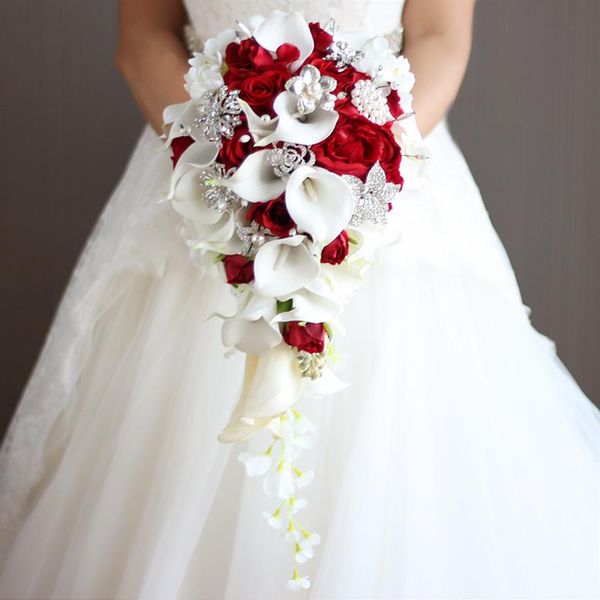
(528, 119)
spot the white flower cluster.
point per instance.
(282, 480)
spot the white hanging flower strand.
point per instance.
(291, 434)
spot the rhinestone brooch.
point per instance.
(289, 157)
(372, 199)
(312, 89)
(218, 114)
(218, 196)
(343, 54)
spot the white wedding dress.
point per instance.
(462, 461)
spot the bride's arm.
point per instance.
(437, 42)
(151, 55)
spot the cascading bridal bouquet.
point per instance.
(287, 161)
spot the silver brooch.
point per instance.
(252, 238)
(218, 196)
(370, 102)
(289, 157)
(312, 89)
(218, 113)
(372, 198)
(343, 54)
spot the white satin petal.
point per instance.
(251, 337)
(189, 200)
(313, 128)
(283, 266)
(255, 180)
(320, 202)
(281, 28)
(272, 384)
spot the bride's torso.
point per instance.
(378, 16)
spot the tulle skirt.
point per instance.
(462, 461)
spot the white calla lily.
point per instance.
(212, 234)
(189, 200)
(255, 180)
(198, 155)
(283, 266)
(260, 126)
(272, 384)
(320, 202)
(252, 330)
(286, 28)
(293, 127)
(178, 119)
(250, 336)
(313, 303)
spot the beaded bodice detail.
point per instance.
(208, 17)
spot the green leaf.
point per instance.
(285, 306)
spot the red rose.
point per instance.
(321, 38)
(273, 215)
(309, 337)
(355, 145)
(393, 101)
(233, 151)
(287, 53)
(238, 268)
(260, 86)
(179, 145)
(336, 251)
(247, 54)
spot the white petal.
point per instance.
(315, 127)
(189, 200)
(217, 233)
(305, 479)
(198, 155)
(283, 266)
(279, 28)
(320, 202)
(259, 128)
(251, 337)
(256, 464)
(272, 384)
(280, 484)
(312, 304)
(327, 384)
(255, 179)
(292, 536)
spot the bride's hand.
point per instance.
(151, 55)
(437, 42)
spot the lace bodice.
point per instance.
(378, 16)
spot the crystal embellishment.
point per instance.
(289, 157)
(312, 89)
(373, 198)
(370, 102)
(343, 54)
(218, 196)
(252, 238)
(218, 114)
